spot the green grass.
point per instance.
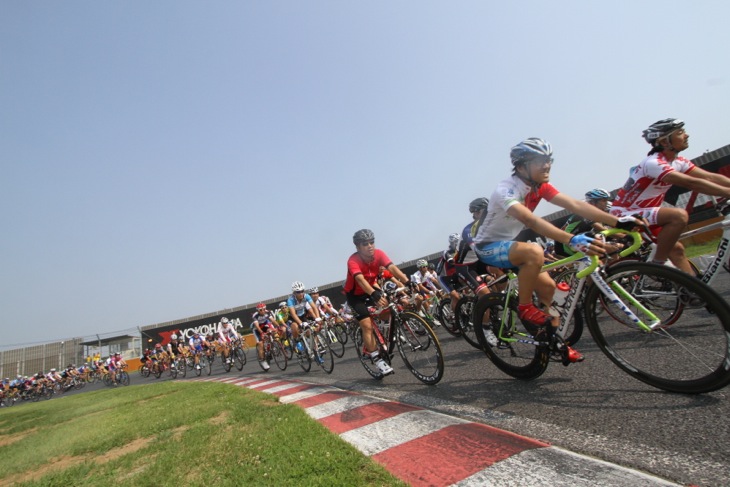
(176, 433)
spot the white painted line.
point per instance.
(281, 387)
(263, 384)
(387, 433)
(559, 468)
(315, 391)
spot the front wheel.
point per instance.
(302, 355)
(365, 360)
(278, 354)
(239, 358)
(336, 345)
(690, 355)
(419, 347)
(510, 348)
(323, 353)
(465, 322)
(448, 317)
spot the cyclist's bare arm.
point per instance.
(702, 181)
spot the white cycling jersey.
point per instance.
(498, 226)
(426, 278)
(227, 330)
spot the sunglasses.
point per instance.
(367, 242)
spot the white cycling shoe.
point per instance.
(383, 367)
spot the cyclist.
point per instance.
(424, 283)
(300, 306)
(283, 323)
(601, 199)
(649, 181)
(197, 344)
(263, 322)
(510, 211)
(324, 305)
(362, 290)
(226, 334)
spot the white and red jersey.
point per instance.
(645, 187)
(426, 278)
(323, 304)
(498, 226)
(226, 331)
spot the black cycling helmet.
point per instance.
(478, 204)
(363, 235)
(660, 129)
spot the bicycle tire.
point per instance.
(524, 361)
(209, 359)
(239, 358)
(303, 358)
(366, 361)
(465, 322)
(689, 356)
(227, 362)
(341, 331)
(323, 353)
(173, 369)
(198, 369)
(419, 347)
(278, 354)
(157, 372)
(182, 367)
(124, 379)
(448, 318)
(336, 346)
(144, 371)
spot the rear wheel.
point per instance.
(239, 358)
(514, 354)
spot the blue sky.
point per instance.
(167, 159)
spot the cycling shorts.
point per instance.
(495, 254)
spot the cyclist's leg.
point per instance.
(673, 222)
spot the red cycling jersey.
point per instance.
(356, 265)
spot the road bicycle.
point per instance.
(406, 331)
(312, 345)
(273, 352)
(631, 311)
(333, 333)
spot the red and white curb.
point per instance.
(426, 448)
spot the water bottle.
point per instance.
(561, 293)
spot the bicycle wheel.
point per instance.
(209, 360)
(277, 353)
(198, 368)
(341, 331)
(448, 317)
(287, 348)
(322, 352)
(173, 369)
(124, 378)
(691, 355)
(239, 358)
(365, 360)
(465, 322)
(302, 356)
(157, 372)
(227, 362)
(575, 326)
(512, 355)
(336, 346)
(182, 368)
(419, 347)
(144, 371)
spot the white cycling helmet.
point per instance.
(532, 149)
(282, 304)
(224, 320)
(173, 337)
(597, 194)
(421, 263)
(297, 286)
(454, 238)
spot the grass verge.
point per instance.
(176, 433)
